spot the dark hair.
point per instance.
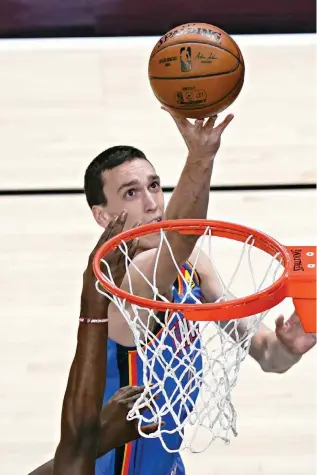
(107, 160)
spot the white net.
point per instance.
(192, 366)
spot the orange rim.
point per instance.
(297, 281)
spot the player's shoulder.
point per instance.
(200, 260)
(210, 283)
(144, 255)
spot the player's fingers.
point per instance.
(279, 322)
(199, 123)
(224, 124)
(181, 122)
(282, 328)
(210, 123)
(129, 401)
(136, 225)
(149, 429)
(132, 247)
(129, 391)
(146, 403)
(149, 404)
(114, 226)
(118, 224)
(108, 232)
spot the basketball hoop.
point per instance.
(298, 280)
(200, 395)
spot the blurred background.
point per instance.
(74, 82)
(35, 18)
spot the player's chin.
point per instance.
(149, 242)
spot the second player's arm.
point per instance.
(115, 430)
(80, 425)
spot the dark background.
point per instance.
(49, 18)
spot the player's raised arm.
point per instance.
(80, 426)
(191, 196)
(189, 200)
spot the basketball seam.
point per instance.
(197, 42)
(203, 107)
(195, 77)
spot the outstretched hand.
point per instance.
(202, 138)
(292, 335)
(93, 303)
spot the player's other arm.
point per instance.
(80, 426)
(275, 351)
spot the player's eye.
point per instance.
(155, 184)
(130, 193)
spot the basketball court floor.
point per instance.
(61, 103)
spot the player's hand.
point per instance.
(292, 335)
(203, 137)
(93, 303)
(115, 429)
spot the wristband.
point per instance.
(93, 320)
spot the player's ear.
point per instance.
(101, 216)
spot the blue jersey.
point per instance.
(124, 367)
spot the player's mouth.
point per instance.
(156, 220)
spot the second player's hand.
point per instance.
(93, 303)
(292, 335)
(203, 137)
(116, 430)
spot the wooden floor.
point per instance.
(60, 104)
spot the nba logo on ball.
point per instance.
(197, 70)
(186, 59)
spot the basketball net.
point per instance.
(192, 395)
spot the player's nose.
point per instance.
(150, 204)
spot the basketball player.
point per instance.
(86, 431)
(123, 178)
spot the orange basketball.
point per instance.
(196, 69)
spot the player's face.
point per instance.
(135, 187)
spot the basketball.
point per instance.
(196, 69)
